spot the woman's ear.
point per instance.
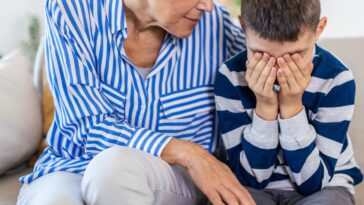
(242, 23)
(320, 27)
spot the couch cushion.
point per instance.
(349, 50)
(20, 112)
(10, 186)
(47, 116)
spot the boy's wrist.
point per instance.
(267, 112)
(289, 111)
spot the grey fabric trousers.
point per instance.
(327, 196)
(117, 176)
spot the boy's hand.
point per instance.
(260, 76)
(294, 76)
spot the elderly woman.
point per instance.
(134, 123)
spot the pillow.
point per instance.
(20, 112)
(47, 116)
(48, 106)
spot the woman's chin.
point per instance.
(182, 30)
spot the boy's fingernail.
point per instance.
(258, 55)
(266, 57)
(280, 60)
(295, 56)
(272, 60)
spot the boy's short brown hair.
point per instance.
(280, 20)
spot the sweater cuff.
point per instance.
(263, 133)
(296, 132)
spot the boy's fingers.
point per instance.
(255, 60)
(310, 68)
(297, 73)
(269, 83)
(303, 67)
(259, 68)
(251, 63)
(290, 79)
(248, 70)
(265, 74)
(282, 80)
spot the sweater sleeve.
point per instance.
(312, 147)
(250, 141)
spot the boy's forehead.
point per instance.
(276, 48)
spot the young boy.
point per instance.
(284, 108)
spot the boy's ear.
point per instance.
(320, 27)
(242, 23)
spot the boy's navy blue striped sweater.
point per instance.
(305, 153)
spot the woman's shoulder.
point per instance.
(75, 16)
(68, 7)
(219, 21)
(69, 11)
(218, 15)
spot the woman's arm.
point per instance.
(211, 176)
(83, 112)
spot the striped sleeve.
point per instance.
(82, 110)
(311, 149)
(234, 35)
(250, 141)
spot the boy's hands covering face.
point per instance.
(261, 75)
(293, 76)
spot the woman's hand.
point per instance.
(261, 75)
(211, 176)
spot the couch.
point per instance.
(349, 50)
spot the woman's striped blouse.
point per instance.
(102, 101)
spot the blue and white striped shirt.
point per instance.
(305, 153)
(102, 101)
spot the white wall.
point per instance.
(14, 20)
(345, 19)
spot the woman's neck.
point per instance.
(145, 38)
(139, 18)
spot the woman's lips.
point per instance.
(193, 21)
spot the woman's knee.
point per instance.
(113, 161)
(112, 173)
(54, 189)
